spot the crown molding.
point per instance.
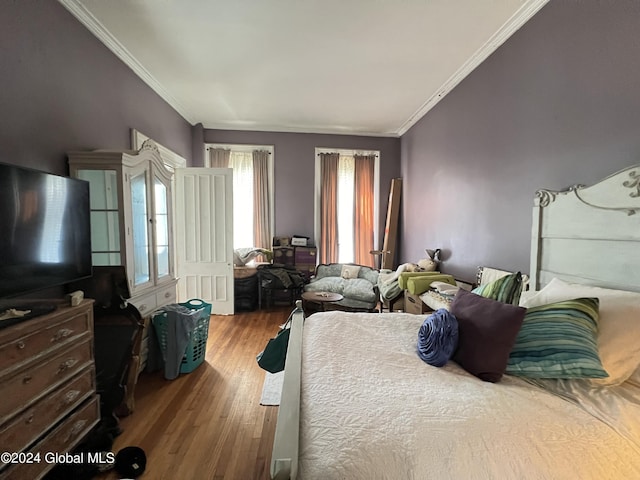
(254, 127)
(528, 10)
(85, 17)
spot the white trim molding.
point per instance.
(522, 16)
(100, 31)
(527, 10)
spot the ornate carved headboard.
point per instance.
(589, 235)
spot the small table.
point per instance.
(319, 298)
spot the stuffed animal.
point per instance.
(403, 267)
(425, 265)
(429, 264)
(410, 267)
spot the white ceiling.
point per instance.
(366, 67)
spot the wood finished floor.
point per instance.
(209, 424)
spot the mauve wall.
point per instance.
(61, 89)
(294, 170)
(557, 104)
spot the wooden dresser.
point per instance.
(47, 387)
(306, 260)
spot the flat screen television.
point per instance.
(45, 232)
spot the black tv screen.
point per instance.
(45, 233)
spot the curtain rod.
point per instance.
(325, 153)
(231, 150)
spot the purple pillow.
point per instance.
(487, 331)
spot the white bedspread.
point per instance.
(371, 409)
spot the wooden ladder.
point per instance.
(388, 252)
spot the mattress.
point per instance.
(371, 409)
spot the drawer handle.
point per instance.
(76, 429)
(71, 396)
(60, 334)
(412, 300)
(167, 294)
(27, 379)
(67, 364)
(29, 420)
(20, 345)
(143, 307)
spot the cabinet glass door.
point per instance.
(140, 218)
(161, 227)
(105, 229)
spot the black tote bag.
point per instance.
(274, 355)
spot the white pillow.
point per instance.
(618, 326)
(350, 271)
(526, 295)
(446, 288)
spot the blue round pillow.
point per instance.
(438, 338)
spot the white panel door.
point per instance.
(204, 236)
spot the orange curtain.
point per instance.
(363, 211)
(328, 208)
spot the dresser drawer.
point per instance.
(63, 439)
(145, 303)
(150, 301)
(28, 347)
(166, 296)
(32, 422)
(305, 256)
(32, 383)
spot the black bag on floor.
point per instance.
(274, 355)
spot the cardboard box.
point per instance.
(414, 304)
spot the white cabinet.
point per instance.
(131, 218)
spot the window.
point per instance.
(242, 165)
(346, 205)
(345, 208)
(252, 191)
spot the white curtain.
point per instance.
(242, 164)
(346, 168)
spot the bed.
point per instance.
(371, 408)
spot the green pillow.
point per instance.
(558, 340)
(506, 289)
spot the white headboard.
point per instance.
(589, 235)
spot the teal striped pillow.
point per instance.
(558, 340)
(506, 289)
